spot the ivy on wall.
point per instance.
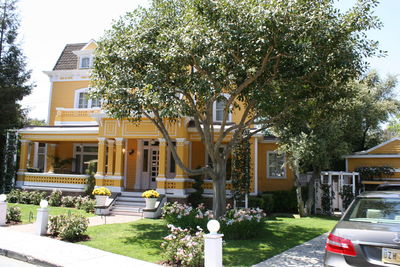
(8, 173)
(347, 195)
(327, 199)
(369, 173)
(241, 157)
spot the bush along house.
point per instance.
(131, 157)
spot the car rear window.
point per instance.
(375, 210)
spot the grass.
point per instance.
(27, 209)
(142, 239)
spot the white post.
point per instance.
(3, 209)
(213, 245)
(42, 218)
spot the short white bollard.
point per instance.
(213, 245)
(42, 218)
(3, 209)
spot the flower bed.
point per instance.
(235, 224)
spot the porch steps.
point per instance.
(129, 203)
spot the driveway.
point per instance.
(310, 253)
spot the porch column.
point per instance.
(101, 157)
(51, 153)
(119, 156)
(181, 150)
(24, 155)
(162, 158)
(110, 163)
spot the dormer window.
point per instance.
(85, 62)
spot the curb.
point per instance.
(26, 258)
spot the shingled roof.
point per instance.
(67, 59)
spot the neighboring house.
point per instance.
(131, 157)
(384, 154)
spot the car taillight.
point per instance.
(340, 245)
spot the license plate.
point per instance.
(391, 255)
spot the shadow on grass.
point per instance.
(272, 240)
(147, 235)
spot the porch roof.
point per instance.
(60, 133)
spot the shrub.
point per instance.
(36, 197)
(74, 227)
(91, 180)
(55, 198)
(87, 204)
(14, 196)
(284, 201)
(242, 223)
(185, 216)
(256, 202)
(13, 214)
(78, 201)
(196, 198)
(68, 201)
(235, 224)
(69, 228)
(25, 197)
(55, 224)
(182, 248)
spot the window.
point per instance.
(219, 107)
(86, 62)
(41, 156)
(82, 99)
(83, 153)
(276, 165)
(171, 167)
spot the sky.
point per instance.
(48, 25)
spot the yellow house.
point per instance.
(131, 157)
(384, 154)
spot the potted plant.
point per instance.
(151, 198)
(101, 194)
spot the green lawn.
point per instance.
(142, 239)
(27, 209)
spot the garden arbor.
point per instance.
(248, 59)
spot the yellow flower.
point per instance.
(101, 191)
(150, 194)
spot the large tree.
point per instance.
(14, 77)
(177, 58)
(316, 134)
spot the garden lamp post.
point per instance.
(42, 218)
(213, 245)
(3, 209)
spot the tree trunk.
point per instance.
(311, 189)
(219, 200)
(300, 202)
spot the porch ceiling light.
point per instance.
(43, 203)
(3, 198)
(213, 226)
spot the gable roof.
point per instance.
(378, 146)
(68, 60)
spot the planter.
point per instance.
(151, 203)
(101, 200)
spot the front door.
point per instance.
(150, 164)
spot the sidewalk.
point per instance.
(45, 251)
(310, 253)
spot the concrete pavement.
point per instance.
(45, 251)
(310, 253)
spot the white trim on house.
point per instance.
(269, 176)
(255, 163)
(59, 130)
(50, 98)
(372, 156)
(76, 123)
(68, 75)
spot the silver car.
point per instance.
(368, 234)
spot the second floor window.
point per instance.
(83, 100)
(219, 107)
